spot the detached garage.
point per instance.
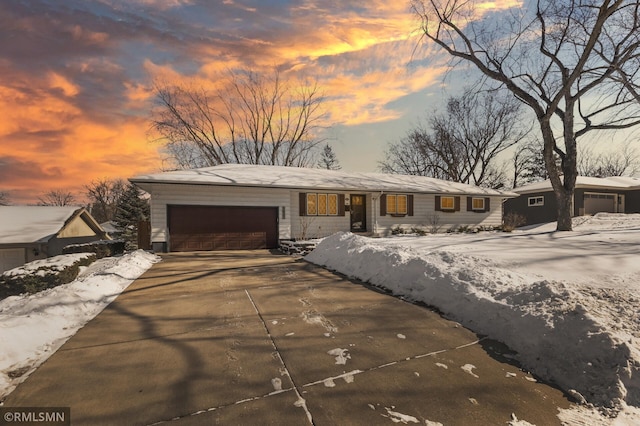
(194, 228)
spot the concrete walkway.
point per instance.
(253, 338)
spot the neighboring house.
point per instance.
(235, 206)
(537, 201)
(28, 233)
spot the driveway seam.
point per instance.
(301, 402)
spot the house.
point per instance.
(537, 201)
(236, 206)
(28, 233)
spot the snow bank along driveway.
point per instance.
(567, 302)
(33, 327)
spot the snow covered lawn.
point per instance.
(32, 327)
(567, 302)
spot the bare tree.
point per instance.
(254, 119)
(462, 143)
(618, 162)
(4, 198)
(574, 63)
(103, 195)
(57, 197)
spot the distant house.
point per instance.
(111, 229)
(235, 206)
(28, 233)
(537, 202)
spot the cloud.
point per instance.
(76, 87)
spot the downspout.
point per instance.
(375, 214)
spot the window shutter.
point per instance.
(438, 209)
(469, 204)
(409, 205)
(457, 204)
(487, 204)
(303, 204)
(340, 204)
(383, 205)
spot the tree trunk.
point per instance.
(564, 199)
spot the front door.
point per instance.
(358, 213)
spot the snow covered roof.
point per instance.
(30, 224)
(316, 179)
(615, 182)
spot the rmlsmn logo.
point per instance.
(40, 416)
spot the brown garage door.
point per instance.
(195, 228)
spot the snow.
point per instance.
(56, 263)
(314, 179)
(28, 224)
(567, 302)
(33, 327)
(614, 182)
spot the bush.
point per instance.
(398, 230)
(418, 231)
(512, 220)
(32, 278)
(102, 248)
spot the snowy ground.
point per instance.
(32, 327)
(567, 302)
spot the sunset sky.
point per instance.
(75, 77)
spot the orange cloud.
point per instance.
(75, 103)
(50, 143)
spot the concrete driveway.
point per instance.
(255, 338)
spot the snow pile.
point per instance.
(51, 264)
(32, 327)
(566, 302)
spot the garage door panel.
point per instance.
(199, 228)
(11, 258)
(596, 203)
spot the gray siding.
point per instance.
(533, 214)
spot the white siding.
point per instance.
(163, 195)
(316, 226)
(425, 216)
(291, 224)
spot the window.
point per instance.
(477, 204)
(391, 204)
(447, 203)
(312, 204)
(322, 205)
(332, 204)
(397, 204)
(536, 201)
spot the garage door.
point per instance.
(11, 258)
(195, 228)
(596, 203)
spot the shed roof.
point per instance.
(615, 182)
(311, 179)
(32, 224)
